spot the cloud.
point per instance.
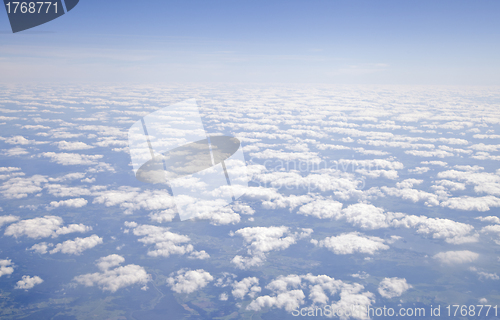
(291, 202)
(436, 163)
(223, 297)
(322, 209)
(456, 257)
(132, 199)
(28, 282)
(6, 267)
(373, 173)
(452, 231)
(111, 261)
(493, 229)
(14, 152)
(222, 216)
(491, 219)
(288, 293)
(451, 185)
(286, 156)
(393, 287)
(419, 170)
(114, 279)
(484, 182)
(17, 188)
(246, 286)
(242, 208)
(371, 152)
(163, 215)
(71, 203)
(472, 203)
(104, 130)
(488, 276)
(20, 140)
(202, 255)
(41, 247)
(11, 172)
(429, 154)
(486, 136)
(65, 145)
(68, 177)
(78, 245)
(188, 281)
(320, 180)
(369, 217)
(261, 240)
(408, 183)
(47, 226)
(59, 190)
(226, 280)
(67, 159)
(484, 275)
(9, 169)
(289, 300)
(485, 147)
(7, 219)
(365, 216)
(165, 242)
(413, 195)
(349, 243)
(106, 142)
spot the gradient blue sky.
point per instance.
(342, 42)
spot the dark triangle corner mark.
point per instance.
(20, 21)
(70, 4)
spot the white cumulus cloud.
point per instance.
(114, 279)
(6, 267)
(43, 227)
(28, 282)
(393, 287)
(349, 243)
(188, 281)
(456, 257)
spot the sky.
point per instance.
(364, 195)
(339, 42)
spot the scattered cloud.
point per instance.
(78, 245)
(47, 226)
(8, 219)
(261, 240)
(456, 257)
(349, 243)
(246, 286)
(188, 281)
(71, 146)
(114, 279)
(6, 267)
(28, 282)
(393, 287)
(70, 203)
(67, 159)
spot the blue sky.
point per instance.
(344, 42)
